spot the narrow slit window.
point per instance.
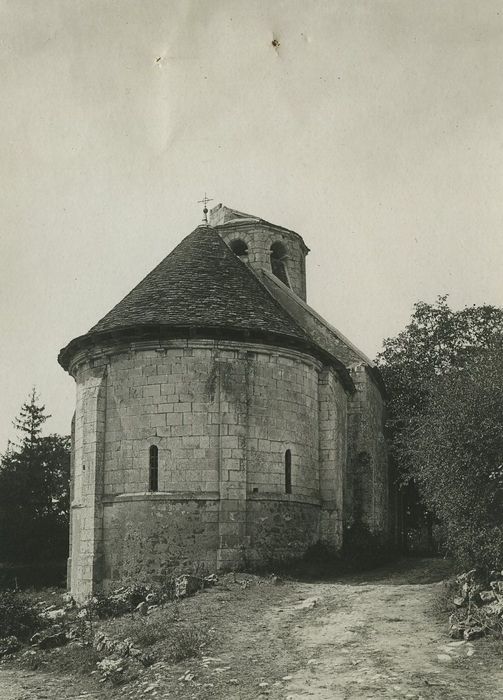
(153, 469)
(288, 471)
(278, 262)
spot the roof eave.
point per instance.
(165, 332)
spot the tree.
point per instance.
(454, 451)
(436, 341)
(34, 490)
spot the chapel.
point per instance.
(219, 421)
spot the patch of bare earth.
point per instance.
(367, 636)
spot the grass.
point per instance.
(187, 643)
(442, 605)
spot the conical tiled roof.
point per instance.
(200, 289)
(201, 283)
(201, 286)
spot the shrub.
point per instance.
(118, 602)
(143, 632)
(18, 617)
(124, 600)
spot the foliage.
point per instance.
(18, 616)
(118, 602)
(436, 340)
(187, 643)
(437, 343)
(34, 490)
(454, 451)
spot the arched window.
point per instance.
(288, 471)
(153, 468)
(239, 248)
(278, 262)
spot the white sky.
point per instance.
(375, 130)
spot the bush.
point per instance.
(118, 602)
(475, 544)
(18, 617)
(124, 600)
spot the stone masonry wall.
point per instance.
(222, 416)
(87, 480)
(366, 488)
(259, 237)
(366, 481)
(333, 455)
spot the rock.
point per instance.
(307, 604)
(459, 601)
(50, 638)
(487, 597)
(210, 580)
(444, 658)
(187, 585)
(54, 615)
(495, 608)
(456, 631)
(147, 659)
(474, 632)
(8, 645)
(187, 677)
(142, 608)
(68, 599)
(112, 668)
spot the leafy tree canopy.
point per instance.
(454, 452)
(443, 373)
(436, 340)
(34, 490)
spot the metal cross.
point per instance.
(205, 201)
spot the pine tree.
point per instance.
(30, 421)
(34, 489)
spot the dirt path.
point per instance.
(378, 640)
(370, 636)
(30, 685)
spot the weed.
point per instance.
(74, 658)
(187, 643)
(442, 604)
(18, 616)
